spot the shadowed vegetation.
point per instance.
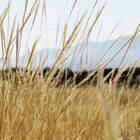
(128, 78)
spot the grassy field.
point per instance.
(39, 110)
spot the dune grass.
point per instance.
(37, 109)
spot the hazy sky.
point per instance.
(126, 10)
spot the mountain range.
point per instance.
(89, 55)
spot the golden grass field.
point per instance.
(38, 110)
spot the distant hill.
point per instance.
(91, 54)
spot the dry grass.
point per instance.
(37, 109)
(31, 111)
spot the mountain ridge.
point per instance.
(91, 55)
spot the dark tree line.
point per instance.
(129, 77)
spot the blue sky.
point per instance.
(126, 10)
